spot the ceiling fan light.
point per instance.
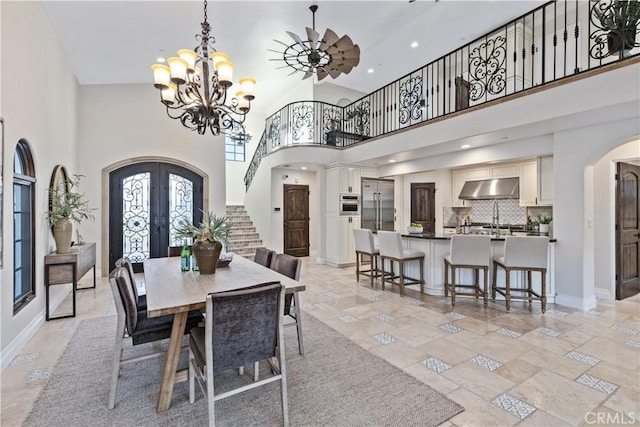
(217, 57)
(161, 76)
(178, 69)
(243, 102)
(248, 85)
(168, 93)
(189, 56)
(225, 73)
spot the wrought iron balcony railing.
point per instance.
(557, 40)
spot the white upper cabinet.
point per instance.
(545, 180)
(528, 183)
(349, 180)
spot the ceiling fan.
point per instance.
(331, 55)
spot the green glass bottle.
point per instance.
(194, 263)
(185, 258)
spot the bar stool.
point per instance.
(527, 254)
(391, 249)
(471, 252)
(365, 247)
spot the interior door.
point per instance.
(146, 200)
(423, 205)
(627, 230)
(296, 220)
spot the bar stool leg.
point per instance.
(494, 280)
(485, 272)
(507, 292)
(374, 267)
(358, 255)
(543, 292)
(453, 286)
(446, 278)
(476, 282)
(401, 277)
(529, 288)
(422, 276)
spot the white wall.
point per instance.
(604, 190)
(332, 93)
(38, 104)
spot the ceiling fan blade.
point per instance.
(322, 73)
(292, 73)
(282, 43)
(334, 72)
(344, 43)
(329, 38)
(353, 53)
(297, 39)
(307, 74)
(313, 37)
(351, 62)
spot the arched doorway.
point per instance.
(145, 201)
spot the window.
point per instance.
(234, 148)
(23, 226)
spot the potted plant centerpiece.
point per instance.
(209, 237)
(544, 223)
(620, 18)
(67, 205)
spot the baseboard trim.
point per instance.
(579, 303)
(604, 294)
(15, 346)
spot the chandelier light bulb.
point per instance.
(248, 85)
(168, 93)
(218, 57)
(178, 70)
(243, 102)
(189, 56)
(161, 76)
(225, 73)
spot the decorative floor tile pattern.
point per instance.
(456, 316)
(385, 338)
(38, 374)
(25, 358)
(347, 318)
(624, 329)
(435, 364)
(451, 328)
(514, 406)
(414, 301)
(375, 299)
(584, 358)
(321, 305)
(384, 317)
(633, 343)
(485, 362)
(548, 332)
(509, 333)
(597, 384)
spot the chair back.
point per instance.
(245, 325)
(364, 240)
(123, 297)
(264, 256)
(126, 263)
(526, 251)
(390, 244)
(287, 265)
(470, 250)
(174, 250)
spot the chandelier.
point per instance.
(194, 86)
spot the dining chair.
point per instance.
(243, 327)
(141, 300)
(391, 250)
(290, 266)
(174, 251)
(264, 256)
(134, 324)
(467, 252)
(526, 254)
(365, 247)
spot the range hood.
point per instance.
(490, 189)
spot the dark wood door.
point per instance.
(627, 231)
(296, 220)
(423, 205)
(145, 202)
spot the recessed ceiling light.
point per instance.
(414, 44)
(370, 70)
(304, 168)
(392, 161)
(160, 57)
(465, 146)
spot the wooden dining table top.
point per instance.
(170, 290)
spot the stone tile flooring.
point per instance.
(565, 367)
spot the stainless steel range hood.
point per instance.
(490, 189)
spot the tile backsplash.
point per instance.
(510, 211)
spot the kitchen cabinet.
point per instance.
(505, 171)
(458, 179)
(529, 183)
(545, 180)
(340, 243)
(349, 180)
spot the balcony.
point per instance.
(555, 43)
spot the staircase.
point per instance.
(243, 237)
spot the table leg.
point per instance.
(171, 364)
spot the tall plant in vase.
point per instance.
(67, 206)
(208, 239)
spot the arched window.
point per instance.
(24, 180)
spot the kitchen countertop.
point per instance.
(438, 236)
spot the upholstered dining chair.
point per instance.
(141, 300)
(467, 252)
(366, 248)
(174, 251)
(243, 327)
(133, 323)
(391, 250)
(290, 266)
(264, 256)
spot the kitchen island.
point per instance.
(436, 246)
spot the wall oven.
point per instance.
(349, 204)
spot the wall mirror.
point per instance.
(59, 181)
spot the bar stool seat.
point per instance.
(470, 252)
(527, 254)
(365, 247)
(391, 249)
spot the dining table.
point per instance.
(172, 291)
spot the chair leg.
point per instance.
(115, 370)
(494, 280)
(529, 288)
(453, 286)
(507, 291)
(357, 266)
(383, 273)
(296, 310)
(401, 277)
(543, 291)
(256, 372)
(485, 272)
(422, 276)
(192, 377)
(476, 282)
(446, 279)
(374, 268)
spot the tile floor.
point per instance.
(566, 367)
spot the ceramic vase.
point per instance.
(62, 231)
(207, 254)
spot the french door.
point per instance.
(146, 201)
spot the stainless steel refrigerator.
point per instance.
(378, 211)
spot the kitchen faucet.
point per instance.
(495, 219)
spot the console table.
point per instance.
(69, 268)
